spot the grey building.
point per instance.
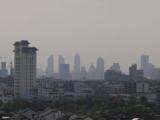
(135, 73)
(64, 71)
(61, 60)
(100, 69)
(91, 75)
(77, 68)
(146, 66)
(83, 73)
(77, 63)
(3, 71)
(50, 66)
(115, 67)
(25, 59)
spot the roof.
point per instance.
(29, 49)
(22, 42)
(16, 43)
(47, 111)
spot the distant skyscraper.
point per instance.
(77, 63)
(146, 66)
(64, 71)
(77, 68)
(61, 60)
(25, 69)
(134, 73)
(100, 69)
(115, 67)
(133, 70)
(144, 61)
(91, 75)
(150, 71)
(50, 66)
(3, 71)
(83, 73)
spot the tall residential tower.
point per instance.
(25, 69)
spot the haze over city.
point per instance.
(79, 60)
(117, 30)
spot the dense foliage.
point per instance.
(107, 108)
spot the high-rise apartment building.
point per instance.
(25, 58)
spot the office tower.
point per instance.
(146, 66)
(134, 73)
(115, 67)
(64, 71)
(77, 69)
(100, 69)
(3, 71)
(83, 73)
(91, 75)
(77, 63)
(25, 59)
(61, 60)
(144, 62)
(50, 66)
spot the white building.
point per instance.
(25, 69)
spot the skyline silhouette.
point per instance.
(113, 30)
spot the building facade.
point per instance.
(25, 69)
(3, 71)
(50, 66)
(100, 69)
(65, 72)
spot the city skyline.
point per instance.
(113, 30)
(63, 59)
(79, 60)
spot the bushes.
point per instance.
(93, 108)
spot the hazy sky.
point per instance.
(117, 30)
